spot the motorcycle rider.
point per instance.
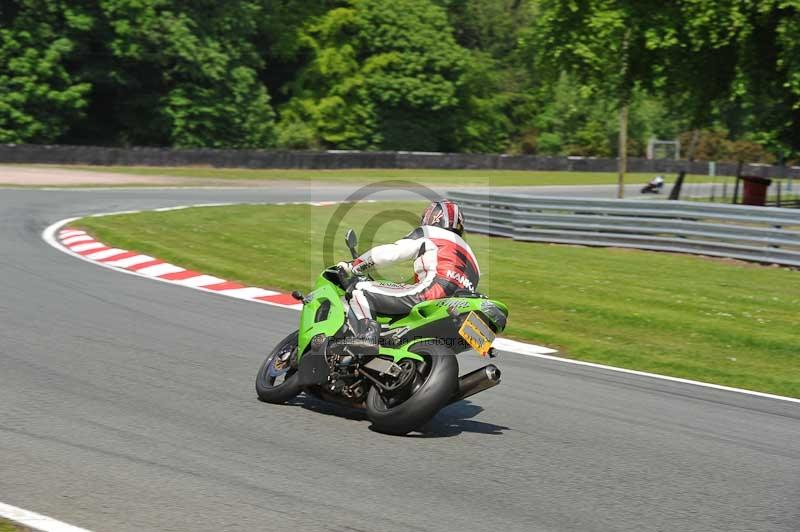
(656, 184)
(443, 264)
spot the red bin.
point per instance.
(755, 190)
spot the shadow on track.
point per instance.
(455, 419)
(328, 408)
(451, 421)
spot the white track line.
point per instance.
(668, 378)
(36, 521)
(501, 343)
(200, 280)
(522, 348)
(165, 209)
(248, 292)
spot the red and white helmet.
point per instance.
(445, 214)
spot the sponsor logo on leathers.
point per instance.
(460, 278)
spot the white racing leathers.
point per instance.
(443, 263)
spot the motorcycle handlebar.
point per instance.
(343, 279)
(348, 282)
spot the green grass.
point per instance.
(8, 526)
(717, 321)
(427, 177)
(771, 199)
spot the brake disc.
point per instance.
(408, 370)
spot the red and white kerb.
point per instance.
(80, 243)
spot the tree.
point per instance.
(608, 46)
(153, 72)
(185, 74)
(740, 68)
(39, 97)
(280, 40)
(498, 96)
(532, 76)
(382, 74)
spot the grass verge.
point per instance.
(364, 176)
(717, 321)
(10, 526)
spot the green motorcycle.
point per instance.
(415, 373)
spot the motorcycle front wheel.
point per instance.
(277, 380)
(433, 384)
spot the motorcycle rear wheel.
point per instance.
(435, 384)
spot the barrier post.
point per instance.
(675, 193)
(736, 187)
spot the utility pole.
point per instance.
(623, 150)
(625, 92)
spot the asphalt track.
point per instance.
(128, 405)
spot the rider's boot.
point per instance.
(364, 342)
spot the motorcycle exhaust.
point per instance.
(476, 381)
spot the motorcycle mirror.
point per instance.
(352, 242)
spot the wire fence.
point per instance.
(333, 159)
(783, 193)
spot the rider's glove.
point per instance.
(359, 266)
(346, 266)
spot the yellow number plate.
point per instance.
(477, 334)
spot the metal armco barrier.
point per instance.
(759, 234)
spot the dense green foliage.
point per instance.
(133, 71)
(384, 74)
(519, 76)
